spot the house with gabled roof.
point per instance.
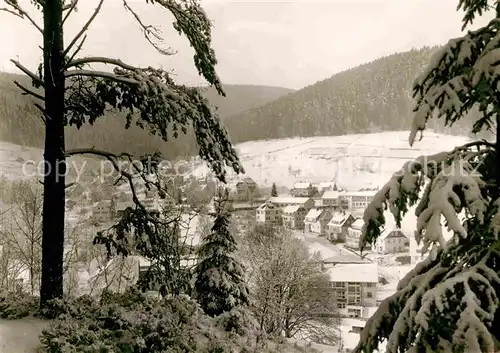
(353, 235)
(393, 241)
(293, 216)
(245, 190)
(319, 226)
(268, 214)
(338, 226)
(310, 218)
(303, 189)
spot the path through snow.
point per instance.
(20, 336)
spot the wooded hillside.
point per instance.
(20, 121)
(373, 97)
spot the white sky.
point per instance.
(280, 43)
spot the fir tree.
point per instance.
(69, 91)
(450, 301)
(220, 285)
(274, 191)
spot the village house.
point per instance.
(392, 242)
(357, 201)
(354, 235)
(338, 226)
(319, 225)
(268, 214)
(311, 217)
(293, 217)
(284, 201)
(304, 189)
(325, 186)
(334, 199)
(355, 288)
(245, 190)
(104, 211)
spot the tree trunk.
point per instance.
(54, 154)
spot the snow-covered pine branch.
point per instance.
(449, 302)
(448, 182)
(453, 281)
(463, 74)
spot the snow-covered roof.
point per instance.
(330, 194)
(339, 218)
(358, 224)
(246, 180)
(291, 209)
(396, 234)
(313, 215)
(327, 184)
(361, 193)
(302, 185)
(267, 206)
(367, 273)
(288, 200)
(391, 233)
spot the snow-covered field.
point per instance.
(354, 161)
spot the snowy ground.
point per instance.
(18, 336)
(354, 161)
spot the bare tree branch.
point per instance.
(27, 91)
(77, 50)
(42, 110)
(70, 7)
(20, 13)
(84, 28)
(113, 159)
(11, 12)
(24, 69)
(150, 32)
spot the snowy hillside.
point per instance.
(354, 161)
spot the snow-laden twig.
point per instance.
(449, 182)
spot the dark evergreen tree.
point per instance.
(220, 284)
(68, 91)
(274, 190)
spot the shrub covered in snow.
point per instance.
(124, 323)
(239, 320)
(450, 302)
(133, 323)
(18, 304)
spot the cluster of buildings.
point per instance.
(320, 210)
(109, 209)
(325, 211)
(335, 214)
